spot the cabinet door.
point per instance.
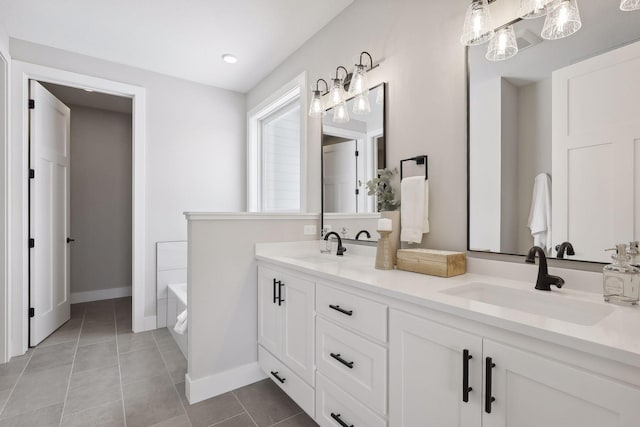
(426, 374)
(298, 309)
(269, 312)
(533, 391)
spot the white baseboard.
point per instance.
(100, 294)
(223, 382)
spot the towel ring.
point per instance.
(420, 160)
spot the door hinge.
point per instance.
(32, 243)
(32, 104)
(357, 153)
(32, 173)
(32, 312)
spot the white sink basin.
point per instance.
(558, 307)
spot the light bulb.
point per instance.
(530, 9)
(478, 25)
(316, 109)
(341, 113)
(361, 104)
(336, 94)
(629, 5)
(563, 20)
(503, 46)
(359, 82)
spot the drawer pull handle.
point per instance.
(280, 285)
(339, 420)
(341, 360)
(341, 310)
(488, 398)
(276, 376)
(465, 375)
(275, 295)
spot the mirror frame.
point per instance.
(386, 140)
(566, 262)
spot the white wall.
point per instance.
(5, 67)
(222, 294)
(190, 128)
(101, 195)
(424, 64)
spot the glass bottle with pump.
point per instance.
(634, 253)
(621, 281)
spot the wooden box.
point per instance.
(432, 262)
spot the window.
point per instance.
(276, 154)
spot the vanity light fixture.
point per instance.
(503, 46)
(629, 5)
(361, 104)
(359, 82)
(563, 19)
(478, 25)
(316, 109)
(229, 58)
(337, 93)
(341, 113)
(530, 9)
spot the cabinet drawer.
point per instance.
(360, 314)
(355, 364)
(293, 385)
(332, 403)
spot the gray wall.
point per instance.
(100, 199)
(195, 147)
(424, 64)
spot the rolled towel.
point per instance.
(181, 323)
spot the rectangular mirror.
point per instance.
(562, 117)
(352, 153)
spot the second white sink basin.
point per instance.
(534, 302)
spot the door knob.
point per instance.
(70, 240)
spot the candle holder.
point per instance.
(384, 252)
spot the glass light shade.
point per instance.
(629, 5)
(359, 82)
(380, 96)
(316, 109)
(503, 45)
(361, 104)
(336, 94)
(478, 25)
(530, 9)
(341, 113)
(563, 19)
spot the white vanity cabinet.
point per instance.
(427, 383)
(286, 331)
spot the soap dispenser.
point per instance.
(621, 280)
(634, 253)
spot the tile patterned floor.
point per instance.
(94, 371)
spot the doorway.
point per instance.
(80, 202)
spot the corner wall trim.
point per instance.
(222, 382)
(100, 294)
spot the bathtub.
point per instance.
(176, 303)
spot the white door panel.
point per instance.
(49, 213)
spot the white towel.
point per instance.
(540, 214)
(414, 210)
(181, 323)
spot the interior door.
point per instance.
(533, 391)
(427, 374)
(49, 284)
(596, 151)
(340, 177)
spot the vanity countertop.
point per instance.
(616, 336)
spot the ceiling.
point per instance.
(181, 38)
(79, 97)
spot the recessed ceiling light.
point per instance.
(229, 58)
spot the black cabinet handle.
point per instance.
(339, 420)
(280, 285)
(341, 360)
(488, 398)
(341, 310)
(465, 375)
(276, 376)
(275, 296)
(70, 240)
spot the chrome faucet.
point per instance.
(545, 280)
(341, 249)
(365, 232)
(564, 246)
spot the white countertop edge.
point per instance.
(565, 340)
(226, 216)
